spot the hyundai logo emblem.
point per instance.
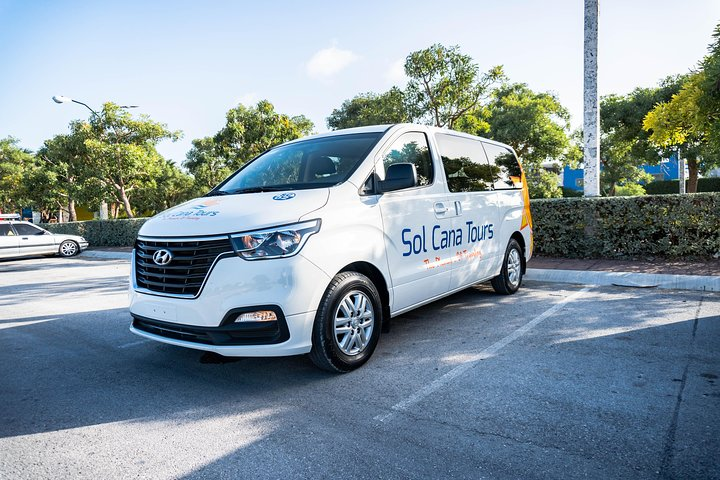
(162, 257)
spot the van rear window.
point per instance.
(506, 168)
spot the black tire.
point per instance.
(327, 352)
(510, 278)
(69, 248)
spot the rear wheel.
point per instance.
(68, 248)
(347, 323)
(510, 278)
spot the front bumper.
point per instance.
(294, 286)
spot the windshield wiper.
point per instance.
(216, 193)
(272, 188)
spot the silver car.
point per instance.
(22, 239)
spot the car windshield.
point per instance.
(315, 163)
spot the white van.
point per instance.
(314, 245)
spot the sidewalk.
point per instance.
(701, 275)
(656, 273)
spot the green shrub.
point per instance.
(629, 190)
(102, 233)
(710, 184)
(651, 225)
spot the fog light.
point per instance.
(259, 316)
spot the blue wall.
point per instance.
(668, 168)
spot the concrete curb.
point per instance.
(626, 279)
(106, 254)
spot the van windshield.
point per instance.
(316, 163)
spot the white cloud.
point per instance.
(248, 99)
(395, 73)
(329, 61)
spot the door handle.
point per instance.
(440, 208)
(24, 238)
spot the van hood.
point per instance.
(234, 213)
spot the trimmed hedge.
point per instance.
(650, 225)
(665, 187)
(102, 233)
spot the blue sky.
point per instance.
(187, 63)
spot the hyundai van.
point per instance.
(314, 245)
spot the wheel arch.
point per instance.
(378, 279)
(521, 241)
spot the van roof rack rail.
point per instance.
(9, 216)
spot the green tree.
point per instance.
(121, 151)
(445, 85)
(247, 133)
(15, 162)
(370, 109)
(625, 145)
(690, 120)
(537, 126)
(170, 187)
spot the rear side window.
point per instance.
(466, 167)
(25, 229)
(506, 168)
(411, 148)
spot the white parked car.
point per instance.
(314, 245)
(23, 239)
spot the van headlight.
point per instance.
(277, 242)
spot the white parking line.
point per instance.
(487, 353)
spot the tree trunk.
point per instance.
(692, 164)
(126, 202)
(72, 214)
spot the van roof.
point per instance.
(384, 128)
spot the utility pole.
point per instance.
(591, 115)
(681, 172)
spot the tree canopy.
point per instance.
(248, 132)
(445, 84)
(690, 120)
(370, 109)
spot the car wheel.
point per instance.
(510, 278)
(347, 323)
(68, 248)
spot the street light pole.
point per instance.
(63, 99)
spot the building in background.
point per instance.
(667, 169)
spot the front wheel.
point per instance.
(510, 278)
(68, 248)
(347, 324)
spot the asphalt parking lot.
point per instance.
(557, 381)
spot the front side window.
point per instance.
(314, 163)
(466, 168)
(5, 230)
(411, 148)
(26, 229)
(505, 167)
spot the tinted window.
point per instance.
(466, 167)
(315, 163)
(411, 148)
(506, 167)
(25, 229)
(5, 230)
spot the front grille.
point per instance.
(186, 272)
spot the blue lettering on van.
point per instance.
(416, 242)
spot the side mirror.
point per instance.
(397, 177)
